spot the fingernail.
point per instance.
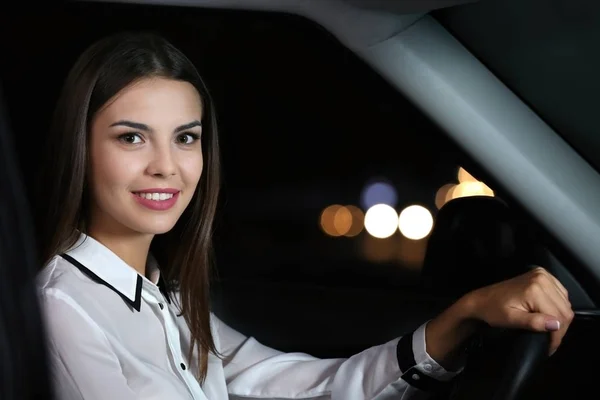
(552, 325)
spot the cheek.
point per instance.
(113, 170)
(192, 166)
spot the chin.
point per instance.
(150, 227)
(157, 229)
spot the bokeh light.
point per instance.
(415, 222)
(338, 220)
(342, 221)
(443, 195)
(464, 176)
(327, 220)
(358, 219)
(381, 221)
(466, 189)
(467, 186)
(378, 193)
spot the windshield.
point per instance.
(546, 52)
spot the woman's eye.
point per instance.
(130, 138)
(187, 138)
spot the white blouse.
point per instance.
(113, 335)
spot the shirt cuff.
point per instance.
(425, 363)
(417, 366)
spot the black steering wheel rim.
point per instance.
(513, 355)
(530, 350)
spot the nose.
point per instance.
(162, 162)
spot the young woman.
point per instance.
(129, 195)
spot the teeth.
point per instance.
(156, 196)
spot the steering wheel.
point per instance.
(478, 241)
(501, 367)
(529, 350)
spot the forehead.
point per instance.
(154, 101)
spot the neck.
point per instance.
(131, 247)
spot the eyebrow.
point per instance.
(188, 126)
(144, 127)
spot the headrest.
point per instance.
(476, 241)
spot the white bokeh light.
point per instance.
(415, 222)
(381, 221)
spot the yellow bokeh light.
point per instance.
(450, 193)
(342, 221)
(487, 191)
(358, 218)
(444, 194)
(466, 189)
(464, 176)
(415, 222)
(337, 220)
(381, 221)
(467, 186)
(327, 220)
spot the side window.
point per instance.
(331, 178)
(332, 183)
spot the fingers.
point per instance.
(556, 292)
(551, 299)
(559, 286)
(540, 322)
(537, 322)
(565, 313)
(534, 301)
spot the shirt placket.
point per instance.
(156, 299)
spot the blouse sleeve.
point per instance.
(399, 369)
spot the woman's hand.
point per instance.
(534, 301)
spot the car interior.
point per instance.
(350, 104)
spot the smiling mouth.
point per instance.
(154, 196)
(156, 201)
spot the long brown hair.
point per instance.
(184, 253)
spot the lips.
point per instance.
(157, 199)
(158, 190)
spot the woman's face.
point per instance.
(145, 157)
